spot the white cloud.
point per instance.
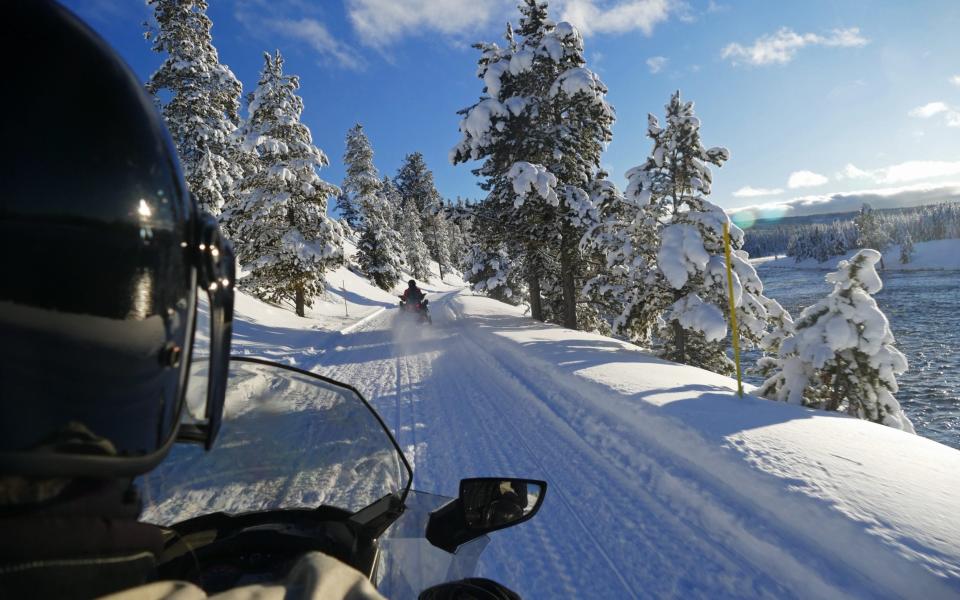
(275, 21)
(598, 16)
(911, 170)
(316, 35)
(917, 169)
(955, 80)
(382, 22)
(951, 116)
(801, 179)
(713, 7)
(928, 110)
(782, 46)
(379, 23)
(915, 195)
(656, 63)
(851, 171)
(752, 192)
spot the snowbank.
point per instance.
(828, 505)
(934, 255)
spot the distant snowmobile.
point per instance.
(414, 302)
(416, 309)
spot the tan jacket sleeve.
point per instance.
(314, 576)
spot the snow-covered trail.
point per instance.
(459, 410)
(663, 483)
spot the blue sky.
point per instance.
(816, 100)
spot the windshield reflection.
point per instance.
(289, 440)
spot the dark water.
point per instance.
(924, 312)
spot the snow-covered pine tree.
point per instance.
(870, 231)
(490, 271)
(199, 99)
(842, 354)
(439, 242)
(415, 183)
(906, 248)
(286, 241)
(418, 257)
(456, 240)
(543, 113)
(361, 180)
(380, 249)
(392, 203)
(350, 213)
(362, 203)
(627, 237)
(664, 247)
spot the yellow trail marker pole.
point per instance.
(733, 309)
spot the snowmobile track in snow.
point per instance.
(626, 516)
(654, 528)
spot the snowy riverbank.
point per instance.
(933, 255)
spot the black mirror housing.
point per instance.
(485, 504)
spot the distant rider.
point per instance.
(413, 294)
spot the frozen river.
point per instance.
(924, 311)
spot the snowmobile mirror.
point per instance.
(216, 274)
(485, 504)
(493, 503)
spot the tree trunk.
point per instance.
(299, 300)
(678, 343)
(436, 244)
(536, 306)
(568, 283)
(835, 392)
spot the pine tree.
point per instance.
(350, 212)
(418, 258)
(539, 128)
(361, 180)
(392, 203)
(438, 243)
(906, 248)
(415, 183)
(842, 354)
(664, 248)
(199, 99)
(361, 184)
(285, 239)
(491, 272)
(379, 249)
(457, 240)
(870, 231)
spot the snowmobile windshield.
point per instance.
(289, 439)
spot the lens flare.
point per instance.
(744, 219)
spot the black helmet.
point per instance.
(103, 250)
(412, 283)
